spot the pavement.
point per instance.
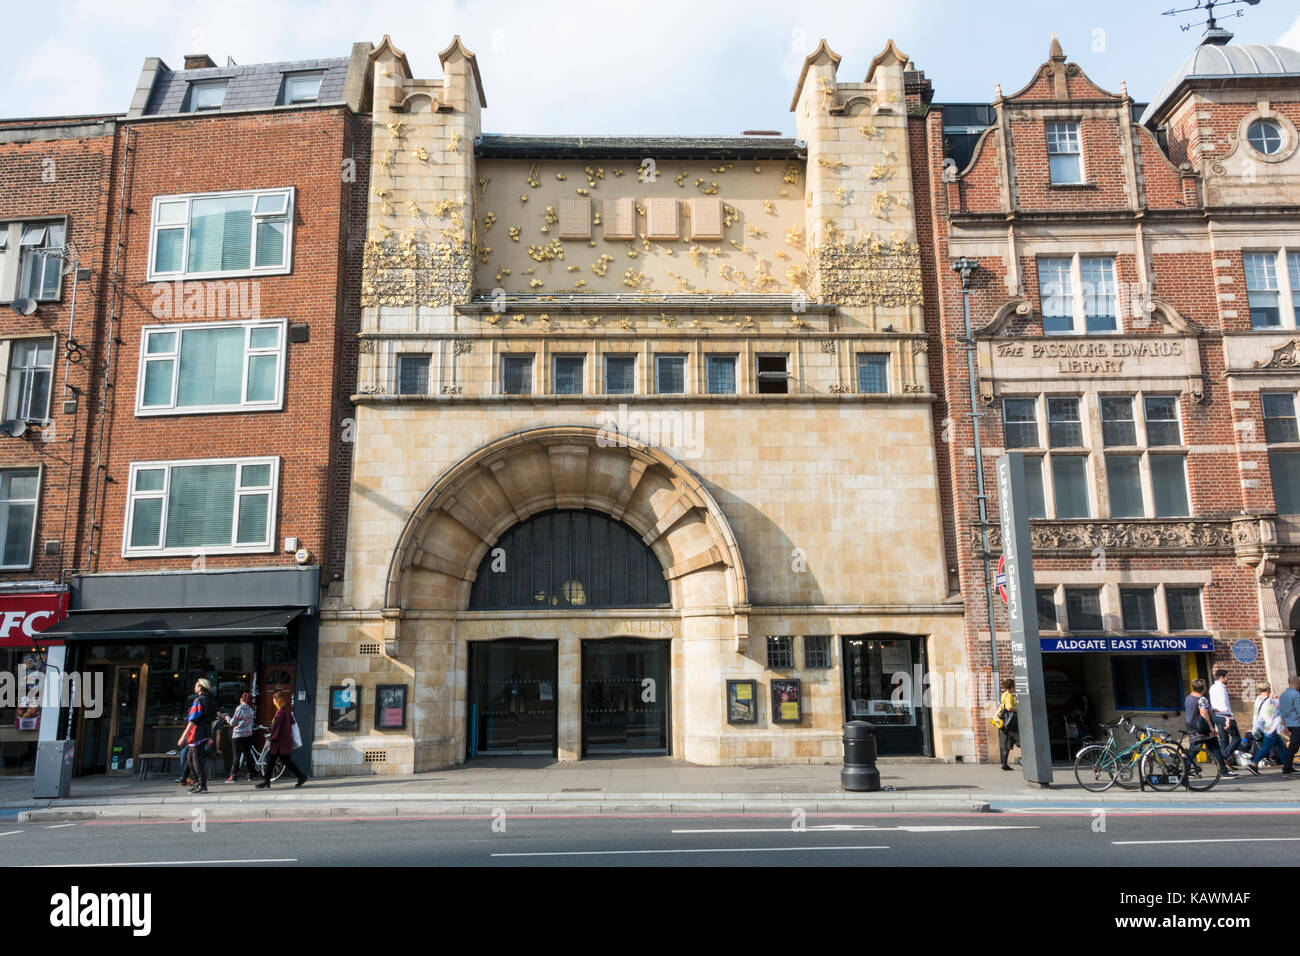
(618, 785)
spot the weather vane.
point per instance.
(1208, 6)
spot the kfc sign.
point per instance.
(23, 616)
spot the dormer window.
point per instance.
(1265, 137)
(302, 88)
(207, 95)
(1064, 157)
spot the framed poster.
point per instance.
(390, 707)
(787, 701)
(742, 701)
(345, 707)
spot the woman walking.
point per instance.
(1009, 732)
(241, 729)
(280, 743)
(1268, 724)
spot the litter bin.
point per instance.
(53, 768)
(860, 771)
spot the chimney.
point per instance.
(198, 61)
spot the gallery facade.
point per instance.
(644, 453)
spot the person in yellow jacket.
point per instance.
(1009, 732)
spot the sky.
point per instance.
(669, 67)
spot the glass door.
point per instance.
(883, 685)
(124, 738)
(512, 697)
(625, 696)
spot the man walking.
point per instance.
(1197, 718)
(1288, 706)
(1224, 722)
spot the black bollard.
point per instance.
(860, 771)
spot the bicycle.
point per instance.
(1184, 766)
(261, 754)
(1098, 767)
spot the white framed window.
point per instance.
(221, 234)
(413, 374)
(517, 374)
(302, 87)
(211, 367)
(670, 374)
(1273, 304)
(720, 374)
(1265, 136)
(1078, 285)
(27, 391)
(214, 506)
(19, 491)
(1064, 156)
(31, 259)
(207, 94)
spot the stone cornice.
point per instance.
(1188, 536)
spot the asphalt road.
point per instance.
(1032, 836)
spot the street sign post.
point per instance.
(1022, 610)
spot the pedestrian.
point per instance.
(1009, 727)
(1224, 722)
(198, 734)
(1198, 718)
(241, 731)
(1268, 724)
(221, 743)
(1288, 707)
(280, 743)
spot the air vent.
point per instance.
(375, 756)
(369, 650)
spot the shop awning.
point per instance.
(184, 623)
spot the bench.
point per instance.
(142, 763)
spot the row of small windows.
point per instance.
(816, 651)
(1079, 610)
(568, 374)
(295, 88)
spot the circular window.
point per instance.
(1265, 136)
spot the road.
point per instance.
(1014, 836)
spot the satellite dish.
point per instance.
(23, 306)
(13, 427)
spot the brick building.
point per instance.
(1134, 336)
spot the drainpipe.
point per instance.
(965, 268)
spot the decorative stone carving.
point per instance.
(839, 389)
(461, 346)
(1016, 307)
(1085, 537)
(1285, 578)
(1285, 356)
(366, 347)
(417, 273)
(451, 389)
(868, 272)
(372, 389)
(919, 346)
(914, 389)
(828, 345)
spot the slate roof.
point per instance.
(1226, 61)
(504, 146)
(257, 86)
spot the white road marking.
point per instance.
(60, 826)
(739, 849)
(56, 866)
(10, 832)
(1215, 840)
(840, 827)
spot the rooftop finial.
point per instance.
(1214, 33)
(1056, 53)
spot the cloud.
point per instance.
(1291, 37)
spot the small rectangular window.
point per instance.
(1046, 601)
(1056, 291)
(31, 364)
(207, 94)
(720, 370)
(1279, 418)
(1020, 422)
(1261, 290)
(517, 374)
(1184, 606)
(773, 376)
(1034, 487)
(302, 87)
(1138, 608)
(1083, 609)
(211, 367)
(568, 371)
(413, 375)
(1285, 467)
(620, 374)
(873, 373)
(780, 652)
(817, 650)
(1100, 299)
(1169, 486)
(227, 505)
(18, 492)
(1070, 486)
(1117, 426)
(40, 264)
(1124, 483)
(1064, 429)
(1162, 420)
(670, 374)
(1065, 162)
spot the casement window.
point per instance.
(215, 506)
(1020, 422)
(1183, 606)
(1070, 486)
(1037, 503)
(40, 263)
(1064, 157)
(773, 374)
(207, 95)
(1169, 486)
(1064, 429)
(1083, 609)
(1128, 475)
(220, 234)
(720, 374)
(780, 652)
(1080, 285)
(1117, 425)
(1124, 484)
(567, 371)
(620, 374)
(1283, 449)
(1045, 598)
(1138, 609)
(413, 374)
(1161, 413)
(301, 88)
(27, 392)
(873, 373)
(1273, 304)
(517, 374)
(1147, 683)
(670, 374)
(817, 650)
(212, 367)
(19, 489)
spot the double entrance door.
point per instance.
(111, 739)
(514, 686)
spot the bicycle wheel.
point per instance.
(1202, 774)
(1094, 768)
(1127, 770)
(1164, 767)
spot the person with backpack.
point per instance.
(198, 734)
(241, 729)
(1198, 718)
(1268, 724)
(281, 742)
(1007, 722)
